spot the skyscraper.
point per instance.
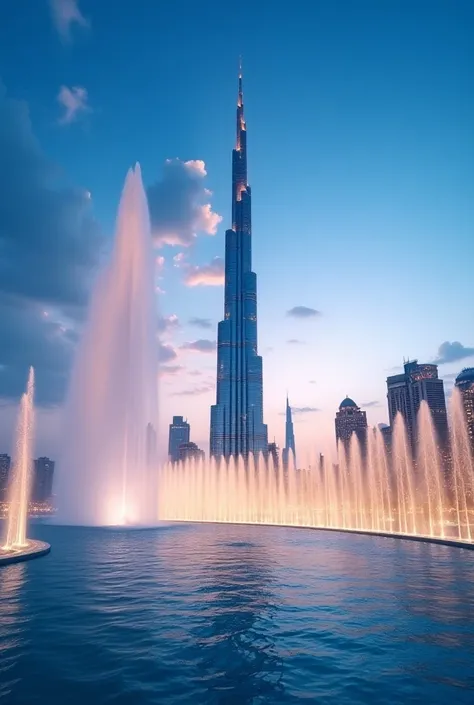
(187, 451)
(5, 463)
(350, 419)
(237, 426)
(465, 384)
(289, 437)
(406, 391)
(42, 480)
(178, 434)
(274, 453)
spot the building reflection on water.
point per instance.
(12, 624)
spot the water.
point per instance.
(368, 490)
(107, 470)
(236, 615)
(20, 484)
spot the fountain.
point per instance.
(17, 546)
(107, 472)
(370, 490)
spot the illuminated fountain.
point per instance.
(367, 490)
(107, 472)
(19, 487)
(17, 546)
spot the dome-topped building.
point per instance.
(348, 403)
(350, 419)
(465, 383)
(465, 377)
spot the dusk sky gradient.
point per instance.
(361, 163)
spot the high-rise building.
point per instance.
(5, 463)
(189, 450)
(289, 437)
(237, 426)
(406, 391)
(274, 453)
(178, 434)
(350, 419)
(465, 384)
(43, 475)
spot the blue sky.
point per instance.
(361, 154)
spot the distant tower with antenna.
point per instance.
(289, 437)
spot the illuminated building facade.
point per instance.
(237, 426)
(465, 384)
(350, 419)
(178, 434)
(274, 453)
(43, 477)
(5, 463)
(406, 391)
(187, 451)
(289, 437)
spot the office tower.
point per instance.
(350, 419)
(465, 384)
(5, 462)
(189, 450)
(274, 453)
(237, 426)
(289, 437)
(405, 393)
(179, 434)
(43, 474)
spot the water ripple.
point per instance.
(224, 615)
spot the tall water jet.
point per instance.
(430, 480)
(19, 489)
(403, 471)
(462, 479)
(106, 475)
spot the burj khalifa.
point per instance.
(237, 426)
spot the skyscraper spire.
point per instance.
(240, 98)
(237, 426)
(289, 436)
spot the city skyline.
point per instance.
(361, 171)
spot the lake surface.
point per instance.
(236, 615)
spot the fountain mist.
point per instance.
(107, 472)
(19, 488)
(369, 489)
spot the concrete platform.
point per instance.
(34, 549)
(421, 538)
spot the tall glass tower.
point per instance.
(237, 426)
(289, 437)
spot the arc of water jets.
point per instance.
(365, 492)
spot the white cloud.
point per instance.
(199, 167)
(206, 275)
(179, 204)
(66, 13)
(74, 101)
(202, 346)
